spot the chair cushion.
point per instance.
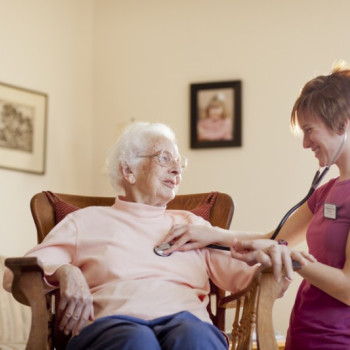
(63, 208)
(204, 209)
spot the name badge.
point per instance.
(330, 211)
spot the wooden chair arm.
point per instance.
(28, 289)
(229, 302)
(256, 301)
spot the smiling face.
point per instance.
(215, 113)
(149, 182)
(322, 140)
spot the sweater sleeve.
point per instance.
(58, 248)
(225, 272)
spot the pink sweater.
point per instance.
(113, 246)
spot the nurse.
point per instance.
(321, 314)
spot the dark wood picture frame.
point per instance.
(23, 114)
(216, 114)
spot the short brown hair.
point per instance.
(326, 97)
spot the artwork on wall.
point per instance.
(22, 129)
(216, 114)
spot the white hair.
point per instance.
(135, 139)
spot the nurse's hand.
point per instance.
(75, 307)
(185, 237)
(270, 254)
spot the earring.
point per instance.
(132, 179)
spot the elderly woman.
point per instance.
(115, 292)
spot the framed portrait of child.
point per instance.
(216, 114)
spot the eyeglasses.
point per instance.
(165, 158)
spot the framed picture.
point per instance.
(216, 114)
(22, 129)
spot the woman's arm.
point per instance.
(331, 280)
(75, 307)
(270, 254)
(294, 229)
(184, 237)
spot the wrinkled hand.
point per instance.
(185, 237)
(75, 307)
(270, 254)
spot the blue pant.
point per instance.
(181, 331)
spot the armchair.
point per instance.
(253, 306)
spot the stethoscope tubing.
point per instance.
(219, 247)
(316, 181)
(159, 250)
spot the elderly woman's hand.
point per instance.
(75, 307)
(270, 254)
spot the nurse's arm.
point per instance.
(294, 229)
(184, 237)
(331, 280)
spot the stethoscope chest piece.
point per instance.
(159, 250)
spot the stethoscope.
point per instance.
(159, 250)
(315, 182)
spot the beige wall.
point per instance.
(47, 46)
(106, 62)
